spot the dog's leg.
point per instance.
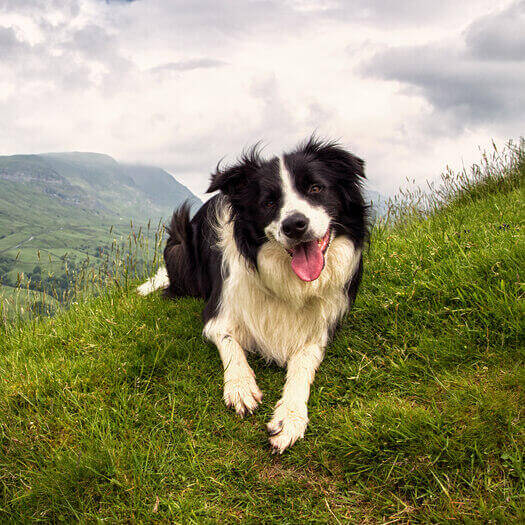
(240, 389)
(290, 417)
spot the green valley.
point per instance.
(62, 212)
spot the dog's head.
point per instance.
(301, 201)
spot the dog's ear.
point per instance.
(230, 179)
(227, 180)
(335, 158)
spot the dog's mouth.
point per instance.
(308, 258)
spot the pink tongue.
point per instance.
(307, 261)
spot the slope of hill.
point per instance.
(96, 182)
(159, 185)
(63, 205)
(112, 410)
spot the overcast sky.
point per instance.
(410, 86)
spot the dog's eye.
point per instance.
(315, 188)
(269, 203)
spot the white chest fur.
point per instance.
(271, 310)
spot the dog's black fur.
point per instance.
(192, 255)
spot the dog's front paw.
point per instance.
(242, 394)
(287, 425)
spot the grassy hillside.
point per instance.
(71, 205)
(159, 185)
(96, 183)
(112, 410)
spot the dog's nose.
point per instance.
(295, 225)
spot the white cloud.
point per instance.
(181, 84)
(478, 80)
(499, 36)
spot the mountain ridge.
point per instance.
(96, 181)
(64, 210)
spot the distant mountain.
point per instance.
(61, 211)
(132, 190)
(92, 182)
(159, 185)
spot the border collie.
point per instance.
(277, 256)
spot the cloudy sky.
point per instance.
(409, 85)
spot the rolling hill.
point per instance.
(90, 183)
(63, 210)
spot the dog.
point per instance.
(277, 256)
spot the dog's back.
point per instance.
(191, 255)
(178, 255)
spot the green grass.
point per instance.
(63, 254)
(112, 410)
(15, 302)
